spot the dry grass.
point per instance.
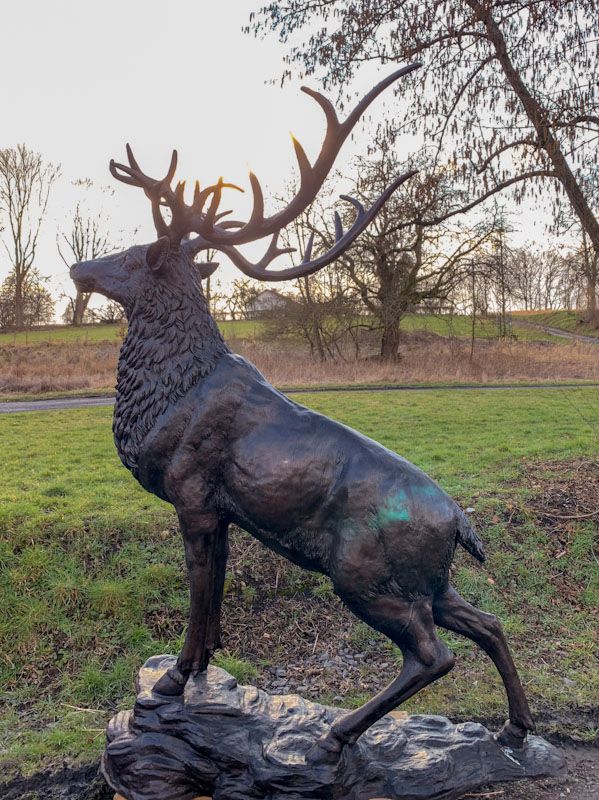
(48, 368)
(425, 358)
(431, 359)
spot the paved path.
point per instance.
(578, 337)
(61, 403)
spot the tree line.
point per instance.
(399, 266)
(26, 182)
(506, 103)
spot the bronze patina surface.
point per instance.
(232, 742)
(201, 428)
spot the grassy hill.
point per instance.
(569, 321)
(459, 326)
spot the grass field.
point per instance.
(92, 573)
(460, 326)
(92, 334)
(443, 325)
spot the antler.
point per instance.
(227, 235)
(184, 218)
(311, 176)
(343, 240)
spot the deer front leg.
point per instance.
(221, 554)
(201, 543)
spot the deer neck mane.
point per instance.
(172, 342)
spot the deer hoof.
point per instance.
(172, 683)
(327, 750)
(511, 735)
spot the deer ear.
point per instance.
(206, 269)
(157, 253)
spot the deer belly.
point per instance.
(305, 547)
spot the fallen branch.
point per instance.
(571, 516)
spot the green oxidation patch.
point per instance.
(397, 506)
(428, 490)
(395, 509)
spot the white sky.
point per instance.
(82, 78)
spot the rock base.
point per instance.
(233, 742)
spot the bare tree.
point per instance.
(402, 260)
(86, 240)
(508, 88)
(236, 300)
(325, 312)
(25, 184)
(109, 313)
(37, 303)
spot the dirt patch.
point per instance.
(564, 497)
(68, 783)
(563, 492)
(581, 782)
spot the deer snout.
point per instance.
(82, 277)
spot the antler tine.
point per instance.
(338, 227)
(304, 165)
(132, 162)
(200, 197)
(172, 169)
(127, 178)
(356, 203)
(308, 249)
(259, 270)
(374, 93)
(257, 214)
(211, 214)
(232, 223)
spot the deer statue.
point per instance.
(201, 428)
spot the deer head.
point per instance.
(122, 276)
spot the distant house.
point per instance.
(433, 306)
(266, 303)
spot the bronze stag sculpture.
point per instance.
(201, 428)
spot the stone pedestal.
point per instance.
(233, 742)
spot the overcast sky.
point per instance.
(80, 79)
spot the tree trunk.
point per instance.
(19, 310)
(590, 261)
(81, 301)
(592, 310)
(390, 340)
(539, 119)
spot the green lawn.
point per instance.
(92, 574)
(443, 325)
(460, 326)
(92, 334)
(63, 334)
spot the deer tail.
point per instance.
(469, 538)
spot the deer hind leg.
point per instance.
(452, 612)
(201, 545)
(425, 658)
